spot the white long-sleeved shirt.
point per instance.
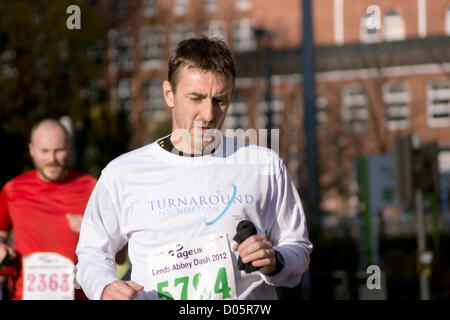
(150, 197)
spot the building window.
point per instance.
(438, 103)
(154, 100)
(237, 117)
(447, 20)
(321, 111)
(150, 8)
(211, 5)
(370, 25)
(152, 44)
(277, 111)
(121, 95)
(394, 27)
(215, 29)
(243, 36)
(7, 68)
(120, 49)
(95, 52)
(91, 3)
(153, 94)
(355, 113)
(396, 101)
(180, 7)
(95, 93)
(120, 9)
(181, 32)
(243, 5)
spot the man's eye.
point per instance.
(196, 98)
(219, 102)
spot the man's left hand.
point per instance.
(258, 250)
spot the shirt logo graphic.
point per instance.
(208, 223)
(209, 207)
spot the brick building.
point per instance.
(382, 69)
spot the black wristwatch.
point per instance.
(279, 265)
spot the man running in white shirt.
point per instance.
(178, 201)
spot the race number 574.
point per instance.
(203, 288)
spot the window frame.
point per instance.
(398, 101)
(443, 93)
(243, 36)
(393, 19)
(349, 102)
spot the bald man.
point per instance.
(44, 208)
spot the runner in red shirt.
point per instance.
(44, 208)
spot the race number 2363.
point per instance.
(48, 276)
(53, 282)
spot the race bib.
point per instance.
(193, 269)
(48, 276)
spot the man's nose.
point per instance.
(207, 112)
(53, 157)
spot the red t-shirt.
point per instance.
(36, 212)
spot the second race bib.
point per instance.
(48, 276)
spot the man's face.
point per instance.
(50, 150)
(200, 103)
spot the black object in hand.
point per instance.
(244, 230)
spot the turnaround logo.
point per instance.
(208, 223)
(211, 206)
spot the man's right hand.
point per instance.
(121, 290)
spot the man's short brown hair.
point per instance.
(207, 54)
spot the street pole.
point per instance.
(421, 247)
(265, 36)
(309, 96)
(268, 96)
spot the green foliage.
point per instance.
(47, 70)
(44, 63)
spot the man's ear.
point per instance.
(232, 93)
(168, 94)
(30, 149)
